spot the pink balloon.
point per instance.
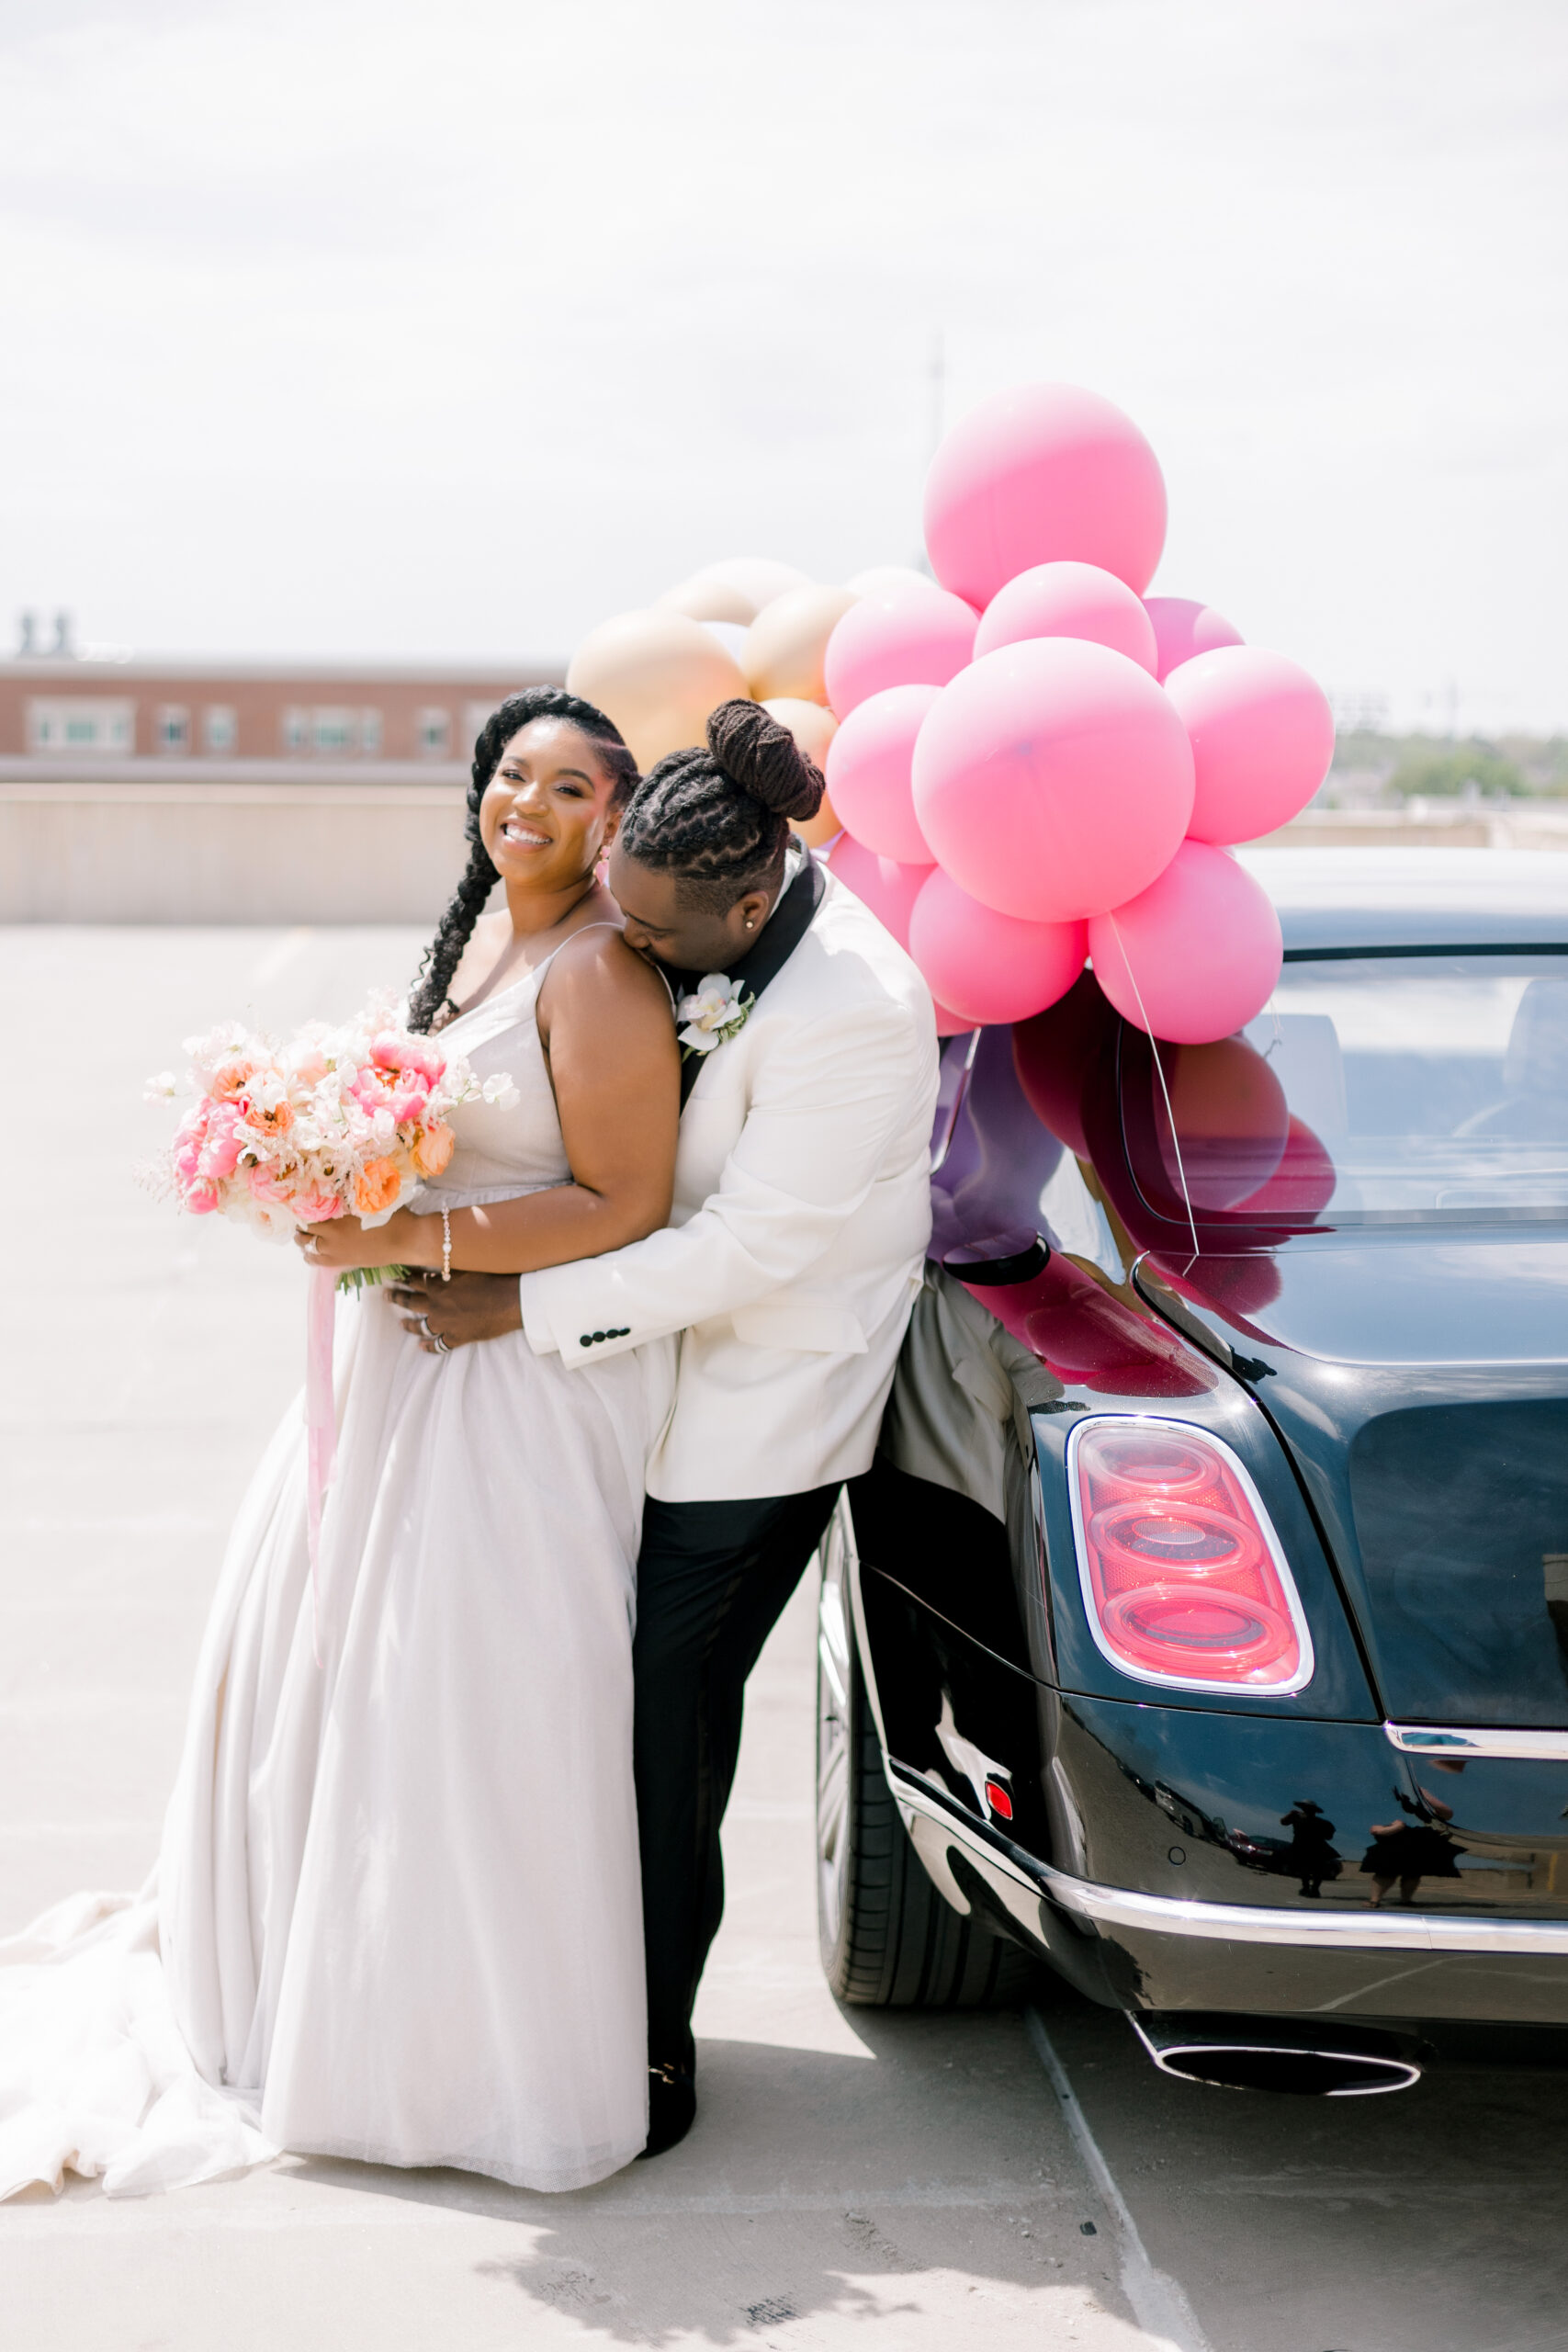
(888, 888)
(951, 1024)
(868, 772)
(918, 638)
(1262, 740)
(1053, 779)
(1196, 955)
(1044, 473)
(1068, 600)
(1183, 629)
(986, 965)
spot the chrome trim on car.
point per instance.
(1374, 2065)
(1314, 1930)
(1452, 1739)
(1279, 1689)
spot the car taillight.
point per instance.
(1183, 1577)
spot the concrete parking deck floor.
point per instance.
(852, 2175)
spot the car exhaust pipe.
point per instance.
(1311, 2059)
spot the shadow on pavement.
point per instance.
(815, 2183)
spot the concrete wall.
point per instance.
(162, 851)
(228, 852)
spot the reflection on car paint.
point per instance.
(971, 1763)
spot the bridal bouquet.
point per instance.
(338, 1122)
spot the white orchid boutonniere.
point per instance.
(715, 1011)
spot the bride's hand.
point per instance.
(343, 1242)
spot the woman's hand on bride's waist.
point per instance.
(404, 1240)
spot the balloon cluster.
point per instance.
(1032, 764)
(747, 628)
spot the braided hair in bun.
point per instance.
(467, 902)
(718, 817)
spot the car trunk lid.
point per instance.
(1421, 1388)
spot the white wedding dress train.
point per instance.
(397, 1914)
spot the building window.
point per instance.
(220, 727)
(433, 733)
(171, 730)
(98, 723)
(333, 730)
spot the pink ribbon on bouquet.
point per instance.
(321, 1422)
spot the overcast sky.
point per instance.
(334, 327)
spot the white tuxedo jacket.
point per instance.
(799, 1234)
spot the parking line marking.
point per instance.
(1159, 2306)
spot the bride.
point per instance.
(397, 1914)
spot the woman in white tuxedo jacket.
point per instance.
(802, 1212)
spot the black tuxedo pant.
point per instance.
(712, 1580)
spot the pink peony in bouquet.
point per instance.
(338, 1122)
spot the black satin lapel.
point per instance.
(787, 927)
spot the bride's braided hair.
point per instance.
(717, 817)
(466, 903)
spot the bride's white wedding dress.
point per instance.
(397, 1913)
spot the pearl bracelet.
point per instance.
(446, 1245)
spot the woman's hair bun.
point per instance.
(764, 759)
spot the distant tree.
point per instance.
(1542, 760)
(1365, 747)
(1436, 770)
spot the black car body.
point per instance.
(1319, 1274)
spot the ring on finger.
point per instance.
(443, 1346)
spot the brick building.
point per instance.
(61, 716)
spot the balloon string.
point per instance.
(1159, 1073)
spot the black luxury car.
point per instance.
(1202, 1629)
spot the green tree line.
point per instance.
(1509, 766)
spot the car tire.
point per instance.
(888, 1939)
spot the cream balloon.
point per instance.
(813, 729)
(784, 649)
(708, 600)
(658, 675)
(757, 579)
(818, 831)
(883, 581)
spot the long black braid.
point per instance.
(717, 817)
(466, 903)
